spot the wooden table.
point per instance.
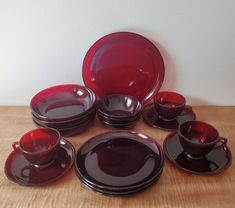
(175, 188)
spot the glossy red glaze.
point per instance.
(74, 130)
(19, 170)
(119, 107)
(118, 192)
(119, 160)
(152, 118)
(216, 161)
(169, 104)
(198, 138)
(124, 63)
(119, 121)
(119, 124)
(39, 146)
(63, 102)
(61, 125)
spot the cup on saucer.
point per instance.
(39, 146)
(197, 148)
(199, 138)
(168, 111)
(169, 104)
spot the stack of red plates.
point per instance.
(119, 111)
(68, 108)
(119, 162)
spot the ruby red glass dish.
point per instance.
(124, 63)
(39, 146)
(122, 192)
(198, 138)
(119, 111)
(68, 108)
(119, 106)
(119, 121)
(216, 161)
(169, 104)
(72, 130)
(119, 161)
(65, 124)
(19, 170)
(63, 102)
(121, 124)
(152, 118)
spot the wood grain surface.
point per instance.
(175, 188)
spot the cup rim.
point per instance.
(43, 151)
(201, 123)
(170, 92)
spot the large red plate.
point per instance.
(124, 63)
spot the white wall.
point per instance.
(43, 43)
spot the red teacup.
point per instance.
(199, 138)
(169, 104)
(39, 146)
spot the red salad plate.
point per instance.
(119, 161)
(124, 63)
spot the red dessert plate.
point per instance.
(118, 192)
(63, 102)
(119, 160)
(124, 63)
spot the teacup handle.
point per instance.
(15, 145)
(221, 143)
(187, 108)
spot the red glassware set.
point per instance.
(122, 72)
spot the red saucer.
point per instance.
(19, 170)
(152, 118)
(124, 63)
(214, 162)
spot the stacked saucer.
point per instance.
(119, 162)
(119, 111)
(68, 108)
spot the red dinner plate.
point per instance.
(124, 63)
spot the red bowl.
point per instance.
(119, 107)
(64, 124)
(122, 123)
(74, 130)
(169, 104)
(119, 121)
(63, 103)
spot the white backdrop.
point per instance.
(43, 43)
